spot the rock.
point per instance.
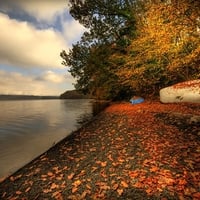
(188, 91)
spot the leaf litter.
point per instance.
(145, 151)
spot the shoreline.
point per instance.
(126, 150)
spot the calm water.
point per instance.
(30, 127)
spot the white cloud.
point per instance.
(72, 30)
(44, 11)
(16, 83)
(51, 76)
(24, 45)
(54, 77)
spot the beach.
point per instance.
(144, 151)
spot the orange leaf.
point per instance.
(57, 195)
(50, 174)
(115, 186)
(94, 168)
(55, 168)
(110, 157)
(70, 176)
(103, 174)
(103, 164)
(133, 174)
(124, 184)
(83, 195)
(104, 187)
(76, 183)
(196, 195)
(46, 190)
(182, 182)
(53, 186)
(74, 189)
(138, 185)
(154, 169)
(148, 191)
(119, 191)
(18, 192)
(27, 189)
(88, 187)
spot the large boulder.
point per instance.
(188, 91)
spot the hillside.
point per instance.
(73, 94)
(25, 97)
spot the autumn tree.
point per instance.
(166, 49)
(134, 46)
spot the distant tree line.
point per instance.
(134, 46)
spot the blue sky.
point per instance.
(33, 33)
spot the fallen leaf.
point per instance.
(88, 187)
(27, 189)
(103, 164)
(46, 190)
(94, 169)
(103, 174)
(133, 174)
(124, 184)
(76, 183)
(53, 186)
(182, 182)
(74, 189)
(149, 191)
(18, 192)
(138, 185)
(57, 195)
(196, 195)
(120, 191)
(44, 159)
(4, 194)
(50, 174)
(70, 176)
(104, 187)
(110, 157)
(70, 157)
(154, 169)
(115, 186)
(83, 195)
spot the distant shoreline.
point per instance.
(25, 97)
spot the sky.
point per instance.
(32, 35)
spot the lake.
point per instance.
(28, 128)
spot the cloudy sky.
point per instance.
(32, 35)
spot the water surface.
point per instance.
(30, 127)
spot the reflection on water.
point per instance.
(28, 128)
(97, 106)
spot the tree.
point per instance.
(109, 23)
(106, 19)
(166, 49)
(134, 46)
